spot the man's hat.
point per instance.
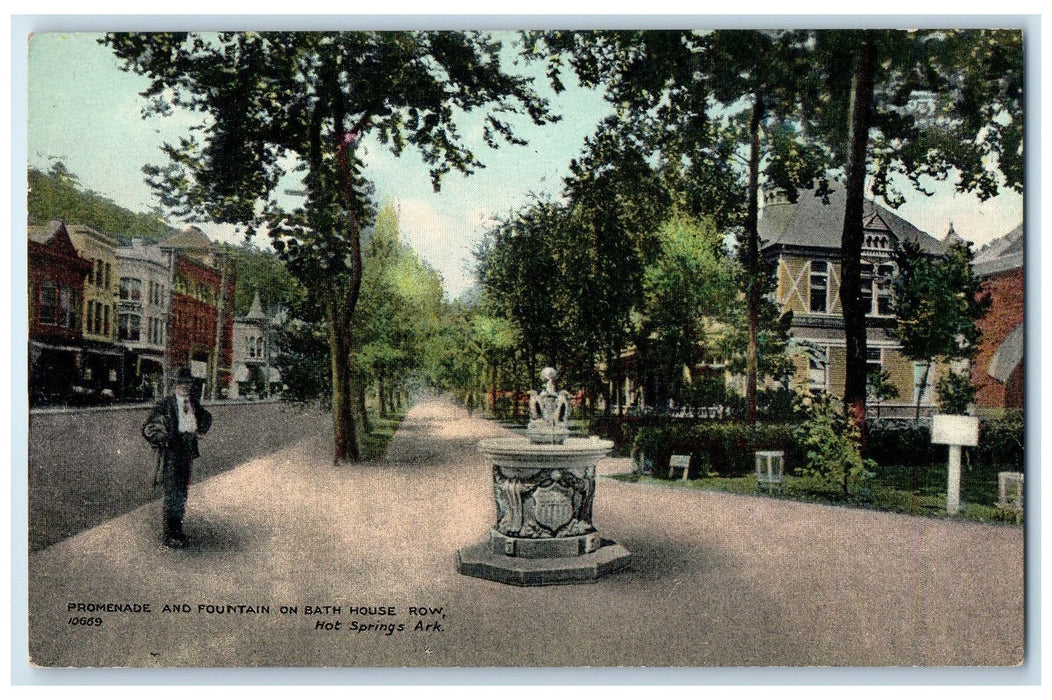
(183, 376)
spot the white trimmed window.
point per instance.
(819, 287)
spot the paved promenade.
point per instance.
(716, 579)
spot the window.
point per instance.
(866, 287)
(259, 347)
(250, 343)
(128, 327)
(920, 369)
(818, 369)
(106, 278)
(819, 286)
(67, 308)
(131, 289)
(874, 360)
(106, 320)
(883, 290)
(48, 303)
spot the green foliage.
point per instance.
(1001, 442)
(58, 195)
(831, 445)
(908, 442)
(956, 393)
(690, 298)
(303, 359)
(937, 304)
(400, 314)
(726, 449)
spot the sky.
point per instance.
(86, 112)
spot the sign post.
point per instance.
(957, 432)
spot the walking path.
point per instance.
(716, 579)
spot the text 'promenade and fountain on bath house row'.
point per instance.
(544, 487)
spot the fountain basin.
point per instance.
(521, 453)
(544, 533)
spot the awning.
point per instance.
(48, 346)
(1008, 356)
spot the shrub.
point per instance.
(896, 441)
(832, 446)
(1001, 441)
(723, 449)
(956, 393)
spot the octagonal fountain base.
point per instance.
(544, 533)
(481, 561)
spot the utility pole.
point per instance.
(166, 365)
(214, 391)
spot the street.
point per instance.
(88, 466)
(294, 561)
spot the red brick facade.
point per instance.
(194, 309)
(56, 287)
(1005, 314)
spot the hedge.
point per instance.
(723, 449)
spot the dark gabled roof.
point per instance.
(1001, 254)
(44, 234)
(810, 223)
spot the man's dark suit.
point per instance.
(179, 451)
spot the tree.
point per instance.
(879, 388)
(401, 308)
(309, 99)
(690, 296)
(617, 203)
(698, 98)
(938, 303)
(974, 133)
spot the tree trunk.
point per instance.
(752, 257)
(381, 395)
(851, 243)
(349, 433)
(346, 444)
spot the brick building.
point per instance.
(201, 319)
(997, 368)
(56, 275)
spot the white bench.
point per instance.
(679, 462)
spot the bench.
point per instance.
(679, 462)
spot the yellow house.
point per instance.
(802, 241)
(102, 357)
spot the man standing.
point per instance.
(173, 427)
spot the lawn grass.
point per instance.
(383, 429)
(889, 490)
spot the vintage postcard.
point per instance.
(698, 346)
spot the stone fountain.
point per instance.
(544, 487)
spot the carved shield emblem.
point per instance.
(553, 507)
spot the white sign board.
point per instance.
(199, 369)
(679, 461)
(955, 430)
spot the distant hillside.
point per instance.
(57, 195)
